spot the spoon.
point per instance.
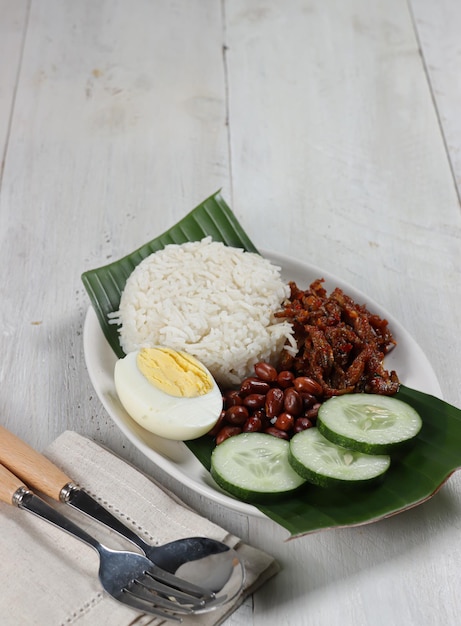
(202, 561)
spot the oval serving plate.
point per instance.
(176, 459)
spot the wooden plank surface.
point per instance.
(338, 160)
(13, 24)
(108, 109)
(438, 26)
(337, 151)
(321, 122)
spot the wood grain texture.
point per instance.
(438, 26)
(338, 158)
(13, 25)
(322, 122)
(106, 109)
(31, 466)
(9, 484)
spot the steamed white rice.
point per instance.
(212, 301)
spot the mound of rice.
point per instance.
(212, 301)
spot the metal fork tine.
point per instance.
(139, 591)
(152, 591)
(136, 603)
(174, 582)
(154, 588)
(149, 595)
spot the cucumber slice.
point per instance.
(254, 467)
(368, 422)
(326, 464)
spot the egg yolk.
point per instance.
(175, 373)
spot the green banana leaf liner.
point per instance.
(412, 478)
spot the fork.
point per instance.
(206, 565)
(128, 577)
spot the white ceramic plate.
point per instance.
(407, 359)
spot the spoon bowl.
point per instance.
(202, 561)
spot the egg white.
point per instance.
(177, 418)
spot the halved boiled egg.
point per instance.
(169, 393)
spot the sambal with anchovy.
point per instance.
(341, 344)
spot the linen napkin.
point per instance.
(49, 578)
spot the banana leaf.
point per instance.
(413, 477)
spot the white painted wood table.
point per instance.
(333, 130)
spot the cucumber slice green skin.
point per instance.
(326, 464)
(369, 423)
(254, 467)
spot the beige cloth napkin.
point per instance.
(48, 578)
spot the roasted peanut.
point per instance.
(236, 415)
(254, 400)
(252, 425)
(261, 414)
(285, 421)
(292, 401)
(265, 371)
(231, 398)
(302, 423)
(273, 402)
(285, 379)
(226, 432)
(308, 385)
(308, 400)
(278, 403)
(253, 385)
(276, 432)
(313, 412)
